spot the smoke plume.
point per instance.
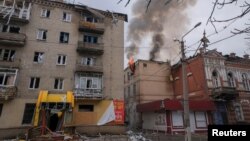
(163, 21)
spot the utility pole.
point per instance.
(185, 95)
(185, 87)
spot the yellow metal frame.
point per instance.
(44, 96)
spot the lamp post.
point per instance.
(185, 87)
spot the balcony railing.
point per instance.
(10, 64)
(19, 15)
(88, 93)
(86, 68)
(15, 39)
(7, 92)
(224, 93)
(97, 28)
(90, 48)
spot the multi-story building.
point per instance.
(58, 47)
(149, 82)
(223, 79)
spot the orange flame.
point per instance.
(131, 64)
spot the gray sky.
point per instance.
(197, 13)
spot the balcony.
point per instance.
(90, 48)
(97, 28)
(224, 93)
(7, 92)
(10, 64)
(13, 39)
(21, 15)
(85, 68)
(94, 94)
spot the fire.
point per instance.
(131, 64)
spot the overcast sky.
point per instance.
(197, 13)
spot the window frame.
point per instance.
(67, 17)
(37, 56)
(89, 108)
(24, 119)
(61, 60)
(34, 80)
(8, 28)
(60, 84)
(245, 82)
(10, 55)
(239, 115)
(42, 34)
(200, 120)
(180, 125)
(45, 13)
(88, 61)
(62, 37)
(91, 39)
(5, 77)
(231, 79)
(215, 79)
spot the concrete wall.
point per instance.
(111, 60)
(152, 80)
(12, 112)
(196, 79)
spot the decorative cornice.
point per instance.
(54, 4)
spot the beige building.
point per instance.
(151, 81)
(58, 47)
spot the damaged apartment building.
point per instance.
(63, 58)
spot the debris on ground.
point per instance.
(136, 136)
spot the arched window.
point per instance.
(215, 79)
(230, 78)
(245, 82)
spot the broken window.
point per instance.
(34, 82)
(28, 113)
(91, 19)
(66, 17)
(42, 34)
(90, 39)
(14, 29)
(7, 77)
(85, 108)
(58, 85)
(38, 57)
(64, 37)
(45, 13)
(61, 60)
(10, 28)
(5, 28)
(7, 55)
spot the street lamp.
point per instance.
(185, 86)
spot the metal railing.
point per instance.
(88, 93)
(7, 92)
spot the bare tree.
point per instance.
(220, 4)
